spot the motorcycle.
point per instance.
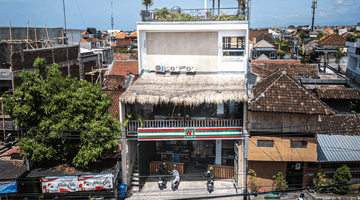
(162, 179)
(175, 179)
(210, 181)
(302, 196)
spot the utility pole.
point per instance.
(313, 6)
(112, 18)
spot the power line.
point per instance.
(41, 13)
(80, 13)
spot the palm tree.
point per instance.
(147, 3)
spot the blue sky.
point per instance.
(96, 13)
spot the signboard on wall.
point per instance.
(8, 187)
(63, 184)
(187, 133)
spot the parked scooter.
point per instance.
(162, 179)
(175, 179)
(210, 180)
(301, 196)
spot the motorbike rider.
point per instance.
(210, 179)
(162, 179)
(175, 180)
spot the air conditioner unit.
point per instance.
(159, 68)
(174, 68)
(190, 69)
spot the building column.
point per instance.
(218, 153)
(123, 144)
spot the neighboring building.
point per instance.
(353, 64)
(338, 144)
(268, 39)
(332, 40)
(283, 122)
(293, 68)
(339, 98)
(263, 48)
(190, 93)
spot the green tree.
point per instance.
(147, 3)
(280, 181)
(50, 110)
(253, 178)
(319, 181)
(277, 39)
(342, 178)
(301, 34)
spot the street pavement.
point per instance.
(187, 190)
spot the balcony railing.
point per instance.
(209, 14)
(133, 125)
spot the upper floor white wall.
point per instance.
(198, 44)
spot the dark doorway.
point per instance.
(294, 174)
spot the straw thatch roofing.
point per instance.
(185, 89)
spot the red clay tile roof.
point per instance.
(123, 43)
(122, 35)
(121, 56)
(347, 34)
(114, 108)
(114, 82)
(134, 34)
(282, 93)
(92, 39)
(333, 39)
(340, 124)
(256, 33)
(291, 69)
(337, 93)
(278, 61)
(124, 68)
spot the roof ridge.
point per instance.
(311, 95)
(270, 84)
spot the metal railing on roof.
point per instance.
(202, 14)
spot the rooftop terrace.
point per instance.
(208, 14)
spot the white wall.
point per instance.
(201, 33)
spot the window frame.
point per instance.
(226, 46)
(265, 143)
(295, 144)
(273, 56)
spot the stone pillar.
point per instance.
(218, 153)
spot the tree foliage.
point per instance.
(147, 3)
(280, 182)
(342, 178)
(49, 111)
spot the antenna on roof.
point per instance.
(313, 6)
(112, 18)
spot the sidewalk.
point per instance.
(187, 189)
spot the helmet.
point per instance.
(211, 168)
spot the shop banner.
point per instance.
(186, 133)
(60, 184)
(8, 187)
(63, 184)
(95, 182)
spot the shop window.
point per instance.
(265, 143)
(233, 46)
(298, 144)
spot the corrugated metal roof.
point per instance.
(338, 148)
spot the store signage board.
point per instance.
(8, 187)
(190, 133)
(64, 184)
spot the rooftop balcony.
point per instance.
(208, 14)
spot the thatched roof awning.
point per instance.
(185, 89)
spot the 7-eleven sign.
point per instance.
(189, 133)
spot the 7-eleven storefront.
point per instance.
(195, 148)
(195, 123)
